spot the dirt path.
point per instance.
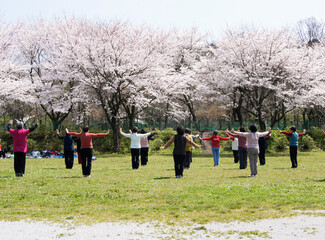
(298, 227)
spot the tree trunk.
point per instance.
(166, 115)
(116, 134)
(131, 117)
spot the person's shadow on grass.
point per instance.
(161, 178)
(241, 177)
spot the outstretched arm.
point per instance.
(58, 134)
(97, 135)
(33, 127)
(242, 134)
(286, 133)
(302, 132)
(10, 124)
(72, 133)
(169, 143)
(152, 136)
(124, 134)
(263, 134)
(193, 143)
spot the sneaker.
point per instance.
(19, 175)
(86, 175)
(252, 175)
(178, 176)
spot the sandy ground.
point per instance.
(304, 226)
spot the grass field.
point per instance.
(115, 192)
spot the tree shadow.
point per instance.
(7, 176)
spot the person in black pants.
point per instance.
(145, 146)
(86, 147)
(68, 149)
(20, 146)
(294, 136)
(135, 144)
(179, 153)
(262, 144)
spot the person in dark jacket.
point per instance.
(263, 143)
(20, 146)
(179, 152)
(68, 149)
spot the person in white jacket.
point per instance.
(252, 146)
(135, 144)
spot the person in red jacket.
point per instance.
(215, 146)
(2, 152)
(86, 147)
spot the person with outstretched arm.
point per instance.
(144, 142)
(252, 146)
(215, 145)
(68, 142)
(179, 152)
(242, 147)
(188, 159)
(294, 136)
(86, 147)
(19, 136)
(135, 144)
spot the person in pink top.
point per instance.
(86, 147)
(215, 146)
(20, 146)
(242, 147)
(145, 146)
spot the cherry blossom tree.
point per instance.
(118, 64)
(7, 34)
(43, 74)
(253, 70)
(184, 81)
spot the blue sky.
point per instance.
(208, 15)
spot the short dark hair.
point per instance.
(215, 132)
(253, 128)
(242, 129)
(143, 130)
(180, 130)
(187, 130)
(293, 128)
(19, 126)
(135, 129)
(85, 129)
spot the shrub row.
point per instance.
(42, 139)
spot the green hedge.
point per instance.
(42, 139)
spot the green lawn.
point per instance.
(115, 192)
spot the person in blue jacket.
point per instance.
(68, 149)
(294, 136)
